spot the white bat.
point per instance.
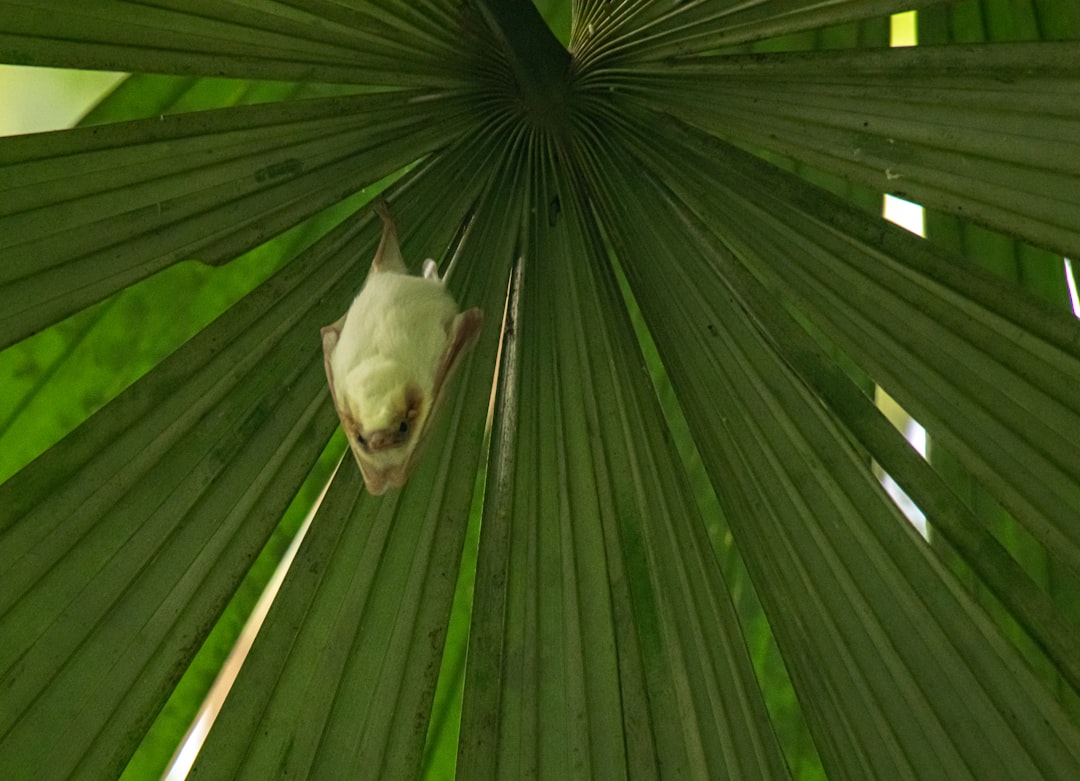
(389, 358)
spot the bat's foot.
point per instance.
(388, 256)
(382, 208)
(431, 271)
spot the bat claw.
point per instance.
(388, 256)
(382, 208)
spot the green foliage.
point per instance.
(646, 539)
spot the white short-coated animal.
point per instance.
(389, 358)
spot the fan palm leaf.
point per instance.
(678, 476)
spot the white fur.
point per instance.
(394, 335)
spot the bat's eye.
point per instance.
(404, 427)
(360, 437)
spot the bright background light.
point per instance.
(37, 99)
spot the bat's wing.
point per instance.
(463, 332)
(388, 256)
(330, 336)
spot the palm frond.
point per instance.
(617, 203)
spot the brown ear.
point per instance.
(374, 480)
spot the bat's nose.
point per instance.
(380, 439)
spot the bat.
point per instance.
(389, 358)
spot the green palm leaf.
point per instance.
(679, 384)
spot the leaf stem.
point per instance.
(539, 62)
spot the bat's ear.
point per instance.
(380, 478)
(374, 481)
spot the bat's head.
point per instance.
(385, 404)
(388, 411)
